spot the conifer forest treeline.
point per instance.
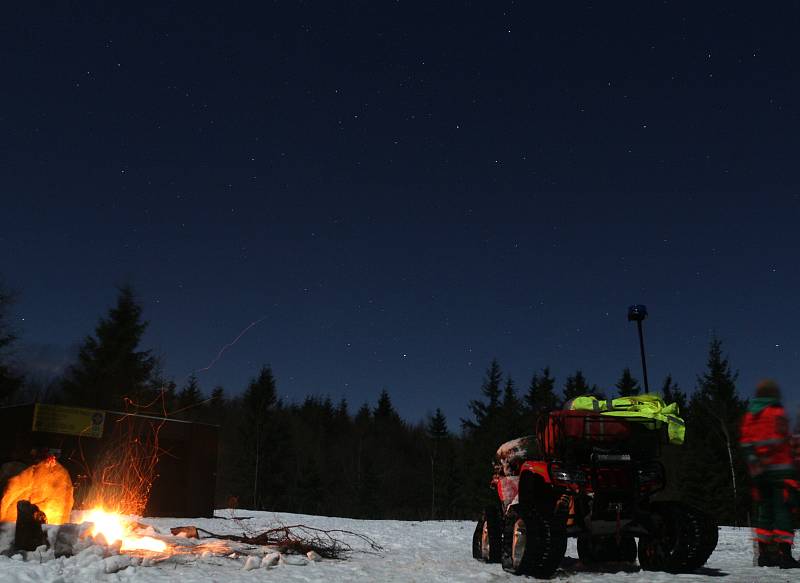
(321, 456)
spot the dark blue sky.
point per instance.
(403, 191)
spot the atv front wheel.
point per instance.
(532, 543)
(486, 540)
(682, 542)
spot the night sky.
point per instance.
(398, 192)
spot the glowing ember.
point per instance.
(115, 527)
(143, 543)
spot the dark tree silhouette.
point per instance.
(491, 391)
(384, 410)
(437, 433)
(672, 393)
(627, 386)
(715, 472)
(260, 436)
(189, 399)
(512, 412)
(110, 367)
(437, 425)
(541, 395)
(217, 397)
(576, 386)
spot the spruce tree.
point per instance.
(491, 391)
(718, 383)
(672, 393)
(366, 480)
(482, 435)
(715, 472)
(576, 386)
(342, 411)
(169, 396)
(541, 395)
(189, 399)
(437, 433)
(511, 413)
(510, 400)
(538, 401)
(627, 385)
(437, 426)
(384, 410)
(217, 397)
(394, 458)
(363, 417)
(110, 367)
(260, 438)
(214, 409)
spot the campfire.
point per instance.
(43, 494)
(105, 527)
(119, 540)
(115, 487)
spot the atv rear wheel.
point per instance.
(532, 543)
(683, 540)
(486, 541)
(600, 549)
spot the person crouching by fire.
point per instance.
(766, 442)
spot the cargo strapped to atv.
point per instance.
(648, 410)
(580, 434)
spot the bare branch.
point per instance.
(297, 538)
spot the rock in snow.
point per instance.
(251, 563)
(270, 559)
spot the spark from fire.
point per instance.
(124, 474)
(230, 344)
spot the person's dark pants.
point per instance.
(774, 497)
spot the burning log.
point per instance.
(45, 484)
(29, 534)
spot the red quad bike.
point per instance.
(589, 476)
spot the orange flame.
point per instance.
(116, 527)
(46, 484)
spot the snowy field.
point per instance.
(413, 551)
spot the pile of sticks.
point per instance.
(294, 539)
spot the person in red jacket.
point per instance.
(766, 442)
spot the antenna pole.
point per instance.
(644, 360)
(637, 314)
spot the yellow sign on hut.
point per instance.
(68, 420)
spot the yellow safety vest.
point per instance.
(648, 409)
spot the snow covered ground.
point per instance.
(414, 551)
